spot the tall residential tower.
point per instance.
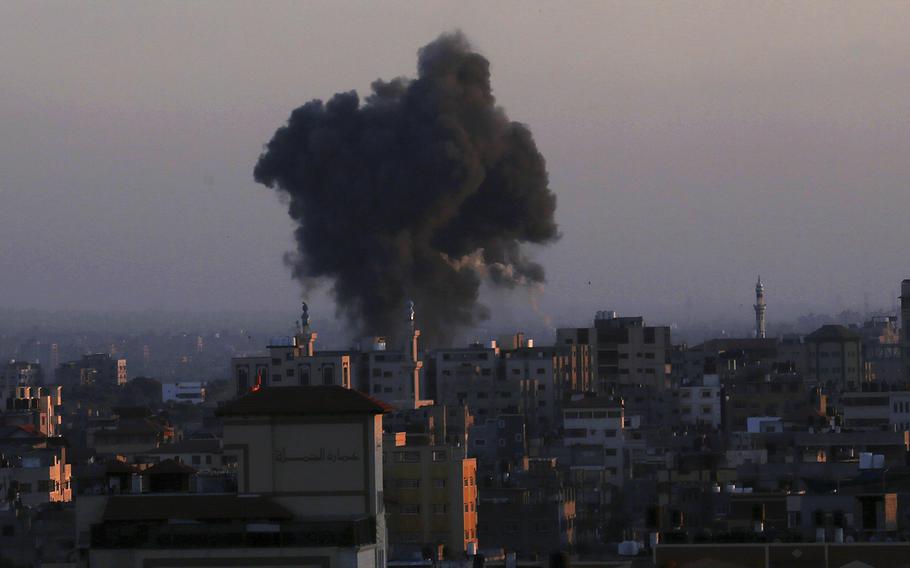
(759, 309)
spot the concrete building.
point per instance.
(192, 392)
(835, 358)
(19, 373)
(34, 475)
(623, 350)
(499, 443)
(431, 496)
(882, 350)
(38, 407)
(309, 471)
(532, 514)
(96, 368)
(598, 422)
(392, 376)
(202, 454)
(127, 432)
(702, 404)
(781, 395)
(875, 410)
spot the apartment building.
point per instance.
(431, 496)
(38, 407)
(702, 404)
(95, 368)
(34, 474)
(834, 358)
(875, 410)
(597, 422)
(623, 350)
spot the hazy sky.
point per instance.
(691, 146)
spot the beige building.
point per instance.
(392, 376)
(309, 468)
(33, 406)
(431, 491)
(35, 475)
(291, 362)
(623, 350)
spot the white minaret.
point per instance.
(759, 309)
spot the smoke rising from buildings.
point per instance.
(422, 191)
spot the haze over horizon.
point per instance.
(691, 147)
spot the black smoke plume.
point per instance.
(419, 193)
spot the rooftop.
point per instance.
(316, 400)
(832, 332)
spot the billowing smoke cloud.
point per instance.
(420, 192)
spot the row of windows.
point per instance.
(413, 483)
(593, 414)
(502, 442)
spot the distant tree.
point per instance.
(141, 391)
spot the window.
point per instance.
(289, 372)
(409, 509)
(439, 483)
(243, 378)
(407, 483)
(407, 457)
(304, 375)
(439, 455)
(438, 509)
(208, 460)
(328, 375)
(480, 442)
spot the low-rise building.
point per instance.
(192, 392)
(309, 492)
